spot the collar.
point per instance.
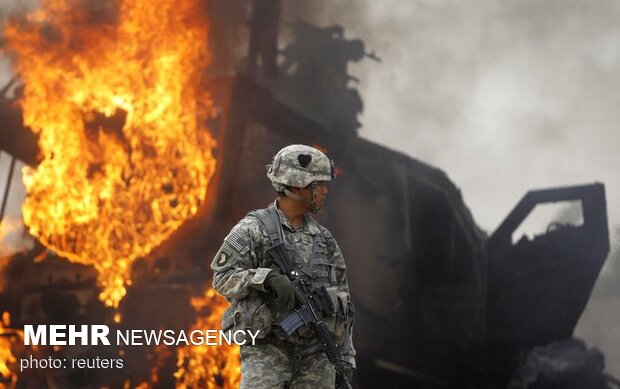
(309, 225)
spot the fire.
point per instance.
(10, 227)
(7, 359)
(204, 366)
(114, 92)
(337, 169)
(162, 353)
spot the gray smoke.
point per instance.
(14, 7)
(505, 96)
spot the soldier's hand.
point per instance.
(284, 290)
(348, 373)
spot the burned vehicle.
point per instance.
(431, 289)
(439, 303)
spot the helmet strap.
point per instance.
(312, 202)
(296, 196)
(315, 208)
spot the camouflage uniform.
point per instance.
(240, 269)
(239, 273)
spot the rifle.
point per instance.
(313, 305)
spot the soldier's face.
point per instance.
(321, 193)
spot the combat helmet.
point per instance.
(299, 166)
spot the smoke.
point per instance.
(9, 8)
(505, 96)
(12, 238)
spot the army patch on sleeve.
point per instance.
(223, 257)
(237, 242)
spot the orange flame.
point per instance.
(114, 93)
(9, 227)
(7, 359)
(338, 170)
(208, 366)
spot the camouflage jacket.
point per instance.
(240, 269)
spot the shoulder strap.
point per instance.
(270, 219)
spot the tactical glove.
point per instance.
(284, 290)
(348, 372)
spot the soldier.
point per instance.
(261, 295)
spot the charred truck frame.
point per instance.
(438, 302)
(431, 290)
